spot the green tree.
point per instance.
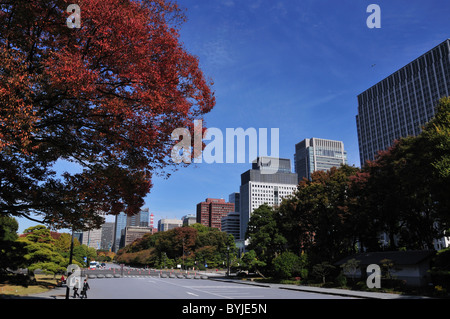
(322, 270)
(11, 251)
(402, 203)
(288, 265)
(250, 262)
(264, 235)
(350, 267)
(41, 252)
(64, 241)
(440, 271)
(437, 136)
(81, 251)
(190, 245)
(412, 207)
(317, 219)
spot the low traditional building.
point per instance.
(410, 266)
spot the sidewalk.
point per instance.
(328, 291)
(55, 293)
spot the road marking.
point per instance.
(202, 291)
(223, 287)
(190, 293)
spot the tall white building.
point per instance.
(258, 187)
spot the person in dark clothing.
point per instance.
(75, 289)
(85, 289)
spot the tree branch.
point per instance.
(32, 219)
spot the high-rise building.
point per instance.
(402, 103)
(234, 198)
(212, 210)
(230, 224)
(258, 187)
(316, 154)
(120, 224)
(140, 219)
(168, 224)
(92, 238)
(107, 238)
(189, 219)
(132, 233)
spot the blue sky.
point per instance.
(293, 65)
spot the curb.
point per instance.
(325, 291)
(296, 289)
(242, 282)
(342, 294)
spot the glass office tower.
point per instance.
(316, 154)
(402, 103)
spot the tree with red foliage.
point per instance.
(407, 188)
(106, 96)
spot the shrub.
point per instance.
(440, 273)
(341, 280)
(288, 265)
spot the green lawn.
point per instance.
(42, 284)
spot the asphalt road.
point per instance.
(153, 287)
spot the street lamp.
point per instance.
(164, 259)
(183, 254)
(70, 263)
(228, 260)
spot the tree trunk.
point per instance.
(259, 273)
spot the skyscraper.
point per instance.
(92, 238)
(234, 198)
(140, 219)
(316, 154)
(402, 103)
(212, 210)
(230, 224)
(258, 188)
(120, 224)
(107, 238)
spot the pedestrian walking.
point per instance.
(85, 289)
(76, 286)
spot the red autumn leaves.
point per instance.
(106, 96)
